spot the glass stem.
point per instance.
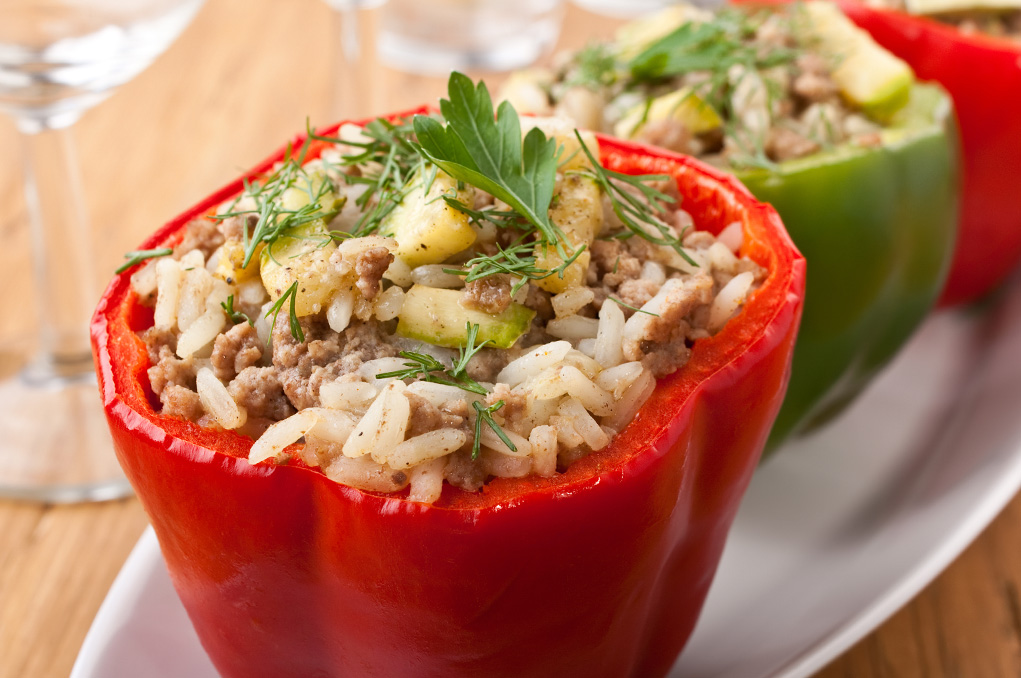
(354, 42)
(62, 253)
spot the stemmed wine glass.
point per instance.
(57, 59)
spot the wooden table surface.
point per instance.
(241, 79)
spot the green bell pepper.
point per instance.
(877, 228)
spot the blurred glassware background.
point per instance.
(381, 43)
(633, 8)
(59, 58)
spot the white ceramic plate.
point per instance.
(835, 534)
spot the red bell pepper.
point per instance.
(600, 571)
(983, 75)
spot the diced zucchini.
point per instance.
(867, 75)
(578, 210)
(426, 228)
(633, 37)
(302, 255)
(436, 316)
(231, 265)
(683, 105)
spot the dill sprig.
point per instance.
(236, 317)
(389, 161)
(427, 368)
(517, 260)
(274, 310)
(485, 415)
(638, 208)
(595, 66)
(138, 256)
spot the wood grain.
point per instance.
(240, 80)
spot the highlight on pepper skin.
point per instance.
(314, 547)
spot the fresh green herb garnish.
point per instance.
(138, 256)
(489, 154)
(485, 414)
(517, 260)
(428, 368)
(595, 65)
(274, 310)
(636, 310)
(636, 208)
(236, 317)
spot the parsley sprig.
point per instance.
(488, 153)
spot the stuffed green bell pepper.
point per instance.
(859, 159)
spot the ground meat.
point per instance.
(259, 390)
(663, 348)
(236, 349)
(486, 364)
(370, 266)
(614, 263)
(200, 234)
(784, 144)
(169, 370)
(323, 356)
(668, 133)
(233, 228)
(155, 340)
(427, 417)
(181, 402)
(491, 294)
(539, 301)
(464, 472)
(814, 87)
(515, 405)
(637, 292)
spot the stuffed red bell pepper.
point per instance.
(983, 75)
(512, 455)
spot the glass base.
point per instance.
(55, 446)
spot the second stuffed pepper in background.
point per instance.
(858, 158)
(983, 75)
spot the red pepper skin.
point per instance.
(600, 571)
(983, 76)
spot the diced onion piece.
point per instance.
(572, 300)
(573, 328)
(347, 395)
(383, 426)
(653, 271)
(422, 448)
(543, 440)
(201, 333)
(388, 303)
(532, 363)
(631, 401)
(143, 281)
(333, 426)
(491, 440)
(584, 424)
(281, 434)
(609, 338)
(216, 400)
(399, 273)
(427, 481)
(168, 286)
(617, 379)
(433, 275)
(568, 379)
(732, 236)
(338, 313)
(729, 300)
(440, 394)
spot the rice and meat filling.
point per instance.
(392, 368)
(740, 88)
(1004, 22)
